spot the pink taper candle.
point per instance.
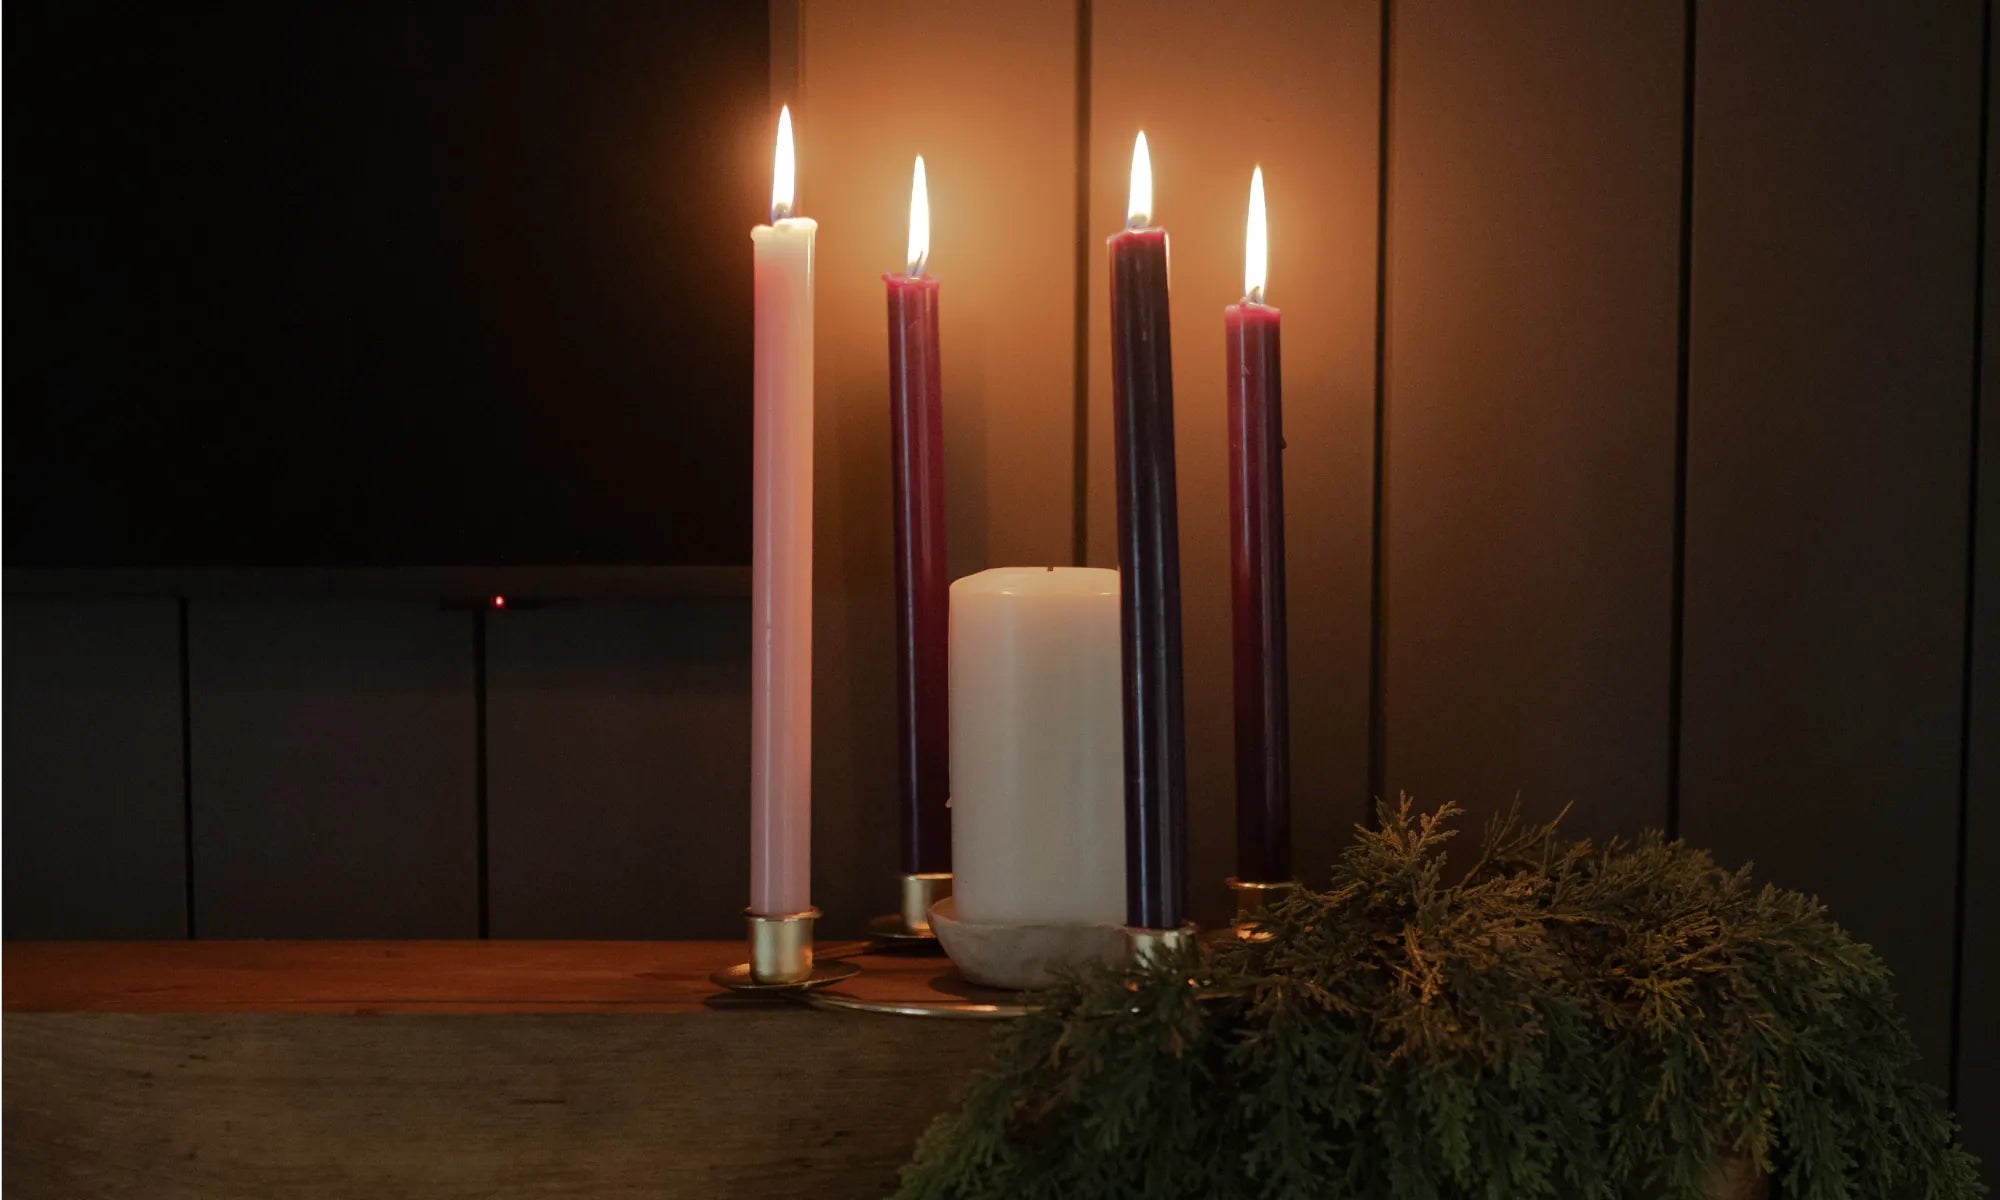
(781, 555)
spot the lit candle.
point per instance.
(1257, 569)
(781, 554)
(1142, 390)
(916, 442)
(1038, 822)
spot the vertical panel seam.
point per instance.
(1080, 327)
(1677, 606)
(1957, 1005)
(480, 821)
(187, 768)
(1378, 545)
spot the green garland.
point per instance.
(1557, 1020)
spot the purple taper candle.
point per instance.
(1142, 388)
(1257, 570)
(916, 444)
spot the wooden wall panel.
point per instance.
(95, 833)
(1829, 359)
(1293, 85)
(618, 770)
(333, 754)
(1532, 308)
(1978, 1042)
(987, 94)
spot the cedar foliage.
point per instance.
(1553, 1020)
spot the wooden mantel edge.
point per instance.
(365, 977)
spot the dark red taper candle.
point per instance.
(916, 442)
(1149, 566)
(1257, 595)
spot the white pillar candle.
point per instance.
(1037, 747)
(781, 555)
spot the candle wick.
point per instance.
(1254, 296)
(780, 212)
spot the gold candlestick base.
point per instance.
(913, 922)
(781, 957)
(1252, 895)
(1150, 944)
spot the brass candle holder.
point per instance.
(1150, 944)
(1253, 895)
(781, 957)
(911, 924)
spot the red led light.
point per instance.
(499, 601)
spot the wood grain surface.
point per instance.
(373, 977)
(495, 1069)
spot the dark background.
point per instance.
(380, 283)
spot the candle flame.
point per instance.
(1256, 242)
(920, 220)
(782, 168)
(1139, 208)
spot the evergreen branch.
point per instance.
(1566, 1020)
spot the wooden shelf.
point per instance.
(363, 977)
(491, 1069)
